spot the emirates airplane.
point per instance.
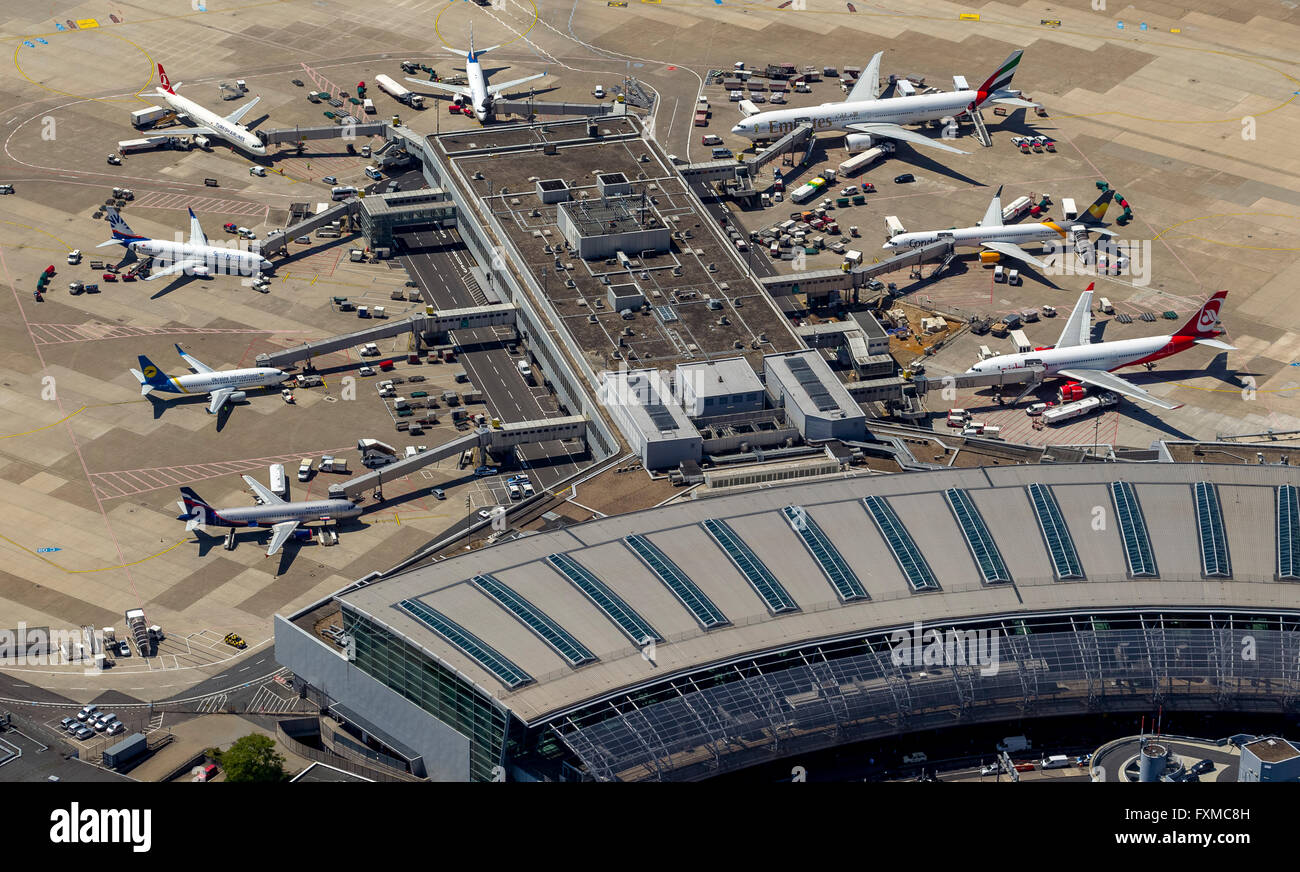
(209, 123)
(864, 112)
(1075, 357)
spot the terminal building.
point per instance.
(381, 214)
(643, 407)
(705, 636)
(802, 383)
(720, 387)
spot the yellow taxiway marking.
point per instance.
(1230, 244)
(100, 569)
(443, 39)
(47, 426)
(65, 245)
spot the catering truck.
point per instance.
(865, 159)
(399, 93)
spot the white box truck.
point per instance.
(893, 226)
(279, 486)
(368, 106)
(1068, 209)
(863, 160)
(1021, 341)
(147, 116)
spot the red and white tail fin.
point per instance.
(1206, 321)
(164, 82)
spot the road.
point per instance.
(439, 263)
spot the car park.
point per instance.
(114, 728)
(68, 723)
(87, 712)
(83, 732)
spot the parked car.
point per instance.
(1202, 768)
(439, 494)
(83, 732)
(330, 180)
(115, 728)
(483, 471)
(123, 649)
(68, 723)
(904, 178)
(87, 712)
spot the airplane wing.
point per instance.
(194, 363)
(502, 88)
(239, 113)
(993, 215)
(279, 535)
(894, 131)
(458, 90)
(1010, 249)
(1078, 327)
(265, 494)
(867, 87)
(218, 398)
(179, 266)
(1111, 382)
(197, 236)
(1216, 343)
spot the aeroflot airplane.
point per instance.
(221, 387)
(863, 112)
(478, 92)
(209, 123)
(282, 517)
(1074, 357)
(992, 234)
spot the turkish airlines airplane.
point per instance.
(478, 92)
(1075, 357)
(862, 111)
(1006, 239)
(226, 127)
(284, 518)
(221, 387)
(196, 257)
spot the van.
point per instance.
(711, 139)
(279, 486)
(439, 493)
(599, 93)
(342, 192)
(1036, 409)
(999, 274)
(304, 469)
(257, 171)
(374, 173)
(515, 492)
(1056, 761)
(721, 152)
(1013, 276)
(525, 370)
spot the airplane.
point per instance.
(1005, 239)
(196, 257)
(222, 387)
(862, 111)
(284, 518)
(226, 127)
(479, 93)
(1075, 357)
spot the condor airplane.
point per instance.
(1075, 357)
(195, 257)
(221, 387)
(209, 123)
(1006, 239)
(863, 112)
(478, 92)
(282, 517)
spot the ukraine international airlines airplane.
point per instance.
(209, 123)
(479, 93)
(1074, 357)
(282, 517)
(221, 387)
(195, 257)
(992, 234)
(863, 112)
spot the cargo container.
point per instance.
(146, 117)
(852, 259)
(125, 751)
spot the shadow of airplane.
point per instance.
(914, 156)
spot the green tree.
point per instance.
(253, 758)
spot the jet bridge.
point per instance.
(439, 322)
(277, 240)
(491, 438)
(1031, 376)
(792, 140)
(826, 281)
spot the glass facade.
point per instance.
(406, 669)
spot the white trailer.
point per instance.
(126, 146)
(1068, 209)
(893, 226)
(147, 116)
(864, 159)
(1078, 409)
(396, 91)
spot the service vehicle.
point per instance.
(234, 640)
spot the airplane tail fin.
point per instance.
(151, 378)
(1001, 79)
(1205, 323)
(164, 82)
(122, 233)
(196, 512)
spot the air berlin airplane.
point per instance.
(1075, 357)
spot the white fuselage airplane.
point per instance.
(221, 386)
(1007, 239)
(284, 518)
(196, 257)
(477, 91)
(207, 122)
(1075, 357)
(863, 112)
